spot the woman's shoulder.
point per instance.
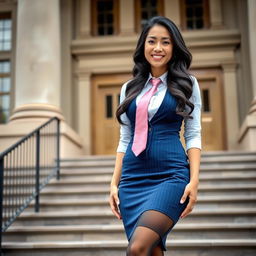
(123, 88)
(195, 89)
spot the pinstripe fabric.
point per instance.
(155, 179)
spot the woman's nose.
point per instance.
(158, 47)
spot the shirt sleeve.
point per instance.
(125, 130)
(192, 127)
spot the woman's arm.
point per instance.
(192, 135)
(125, 136)
(118, 169)
(194, 155)
(113, 198)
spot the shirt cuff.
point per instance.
(194, 143)
(121, 148)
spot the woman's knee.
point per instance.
(136, 248)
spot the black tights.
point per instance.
(152, 225)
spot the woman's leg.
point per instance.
(152, 225)
(157, 251)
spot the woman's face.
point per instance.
(158, 49)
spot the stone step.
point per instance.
(102, 204)
(231, 168)
(106, 173)
(91, 191)
(104, 182)
(232, 163)
(205, 157)
(107, 217)
(184, 247)
(116, 232)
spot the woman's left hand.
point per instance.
(191, 192)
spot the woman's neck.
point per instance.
(157, 72)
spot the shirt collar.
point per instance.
(163, 77)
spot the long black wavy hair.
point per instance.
(178, 79)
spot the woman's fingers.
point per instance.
(192, 194)
(114, 204)
(188, 209)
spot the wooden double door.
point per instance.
(105, 100)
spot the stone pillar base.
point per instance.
(35, 111)
(27, 118)
(247, 136)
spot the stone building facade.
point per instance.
(69, 58)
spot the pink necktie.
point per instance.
(141, 123)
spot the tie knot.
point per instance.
(155, 81)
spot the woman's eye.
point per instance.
(150, 41)
(166, 42)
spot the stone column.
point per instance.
(252, 42)
(247, 136)
(83, 18)
(83, 94)
(37, 78)
(231, 104)
(216, 14)
(172, 11)
(127, 26)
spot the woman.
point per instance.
(155, 181)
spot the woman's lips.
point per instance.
(157, 57)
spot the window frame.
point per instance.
(206, 15)
(94, 20)
(137, 5)
(10, 10)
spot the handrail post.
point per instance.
(1, 198)
(37, 170)
(58, 149)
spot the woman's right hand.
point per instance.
(114, 201)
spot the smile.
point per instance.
(157, 57)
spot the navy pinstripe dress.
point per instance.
(155, 179)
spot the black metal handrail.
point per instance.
(25, 168)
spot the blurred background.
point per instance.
(69, 58)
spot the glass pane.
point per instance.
(100, 18)
(8, 24)
(6, 84)
(109, 106)
(109, 5)
(109, 18)
(144, 16)
(101, 30)
(189, 12)
(206, 100)
(4, 115)
(190, 24)
(6, 66)
(101, 6)
(110, 31)
(5, 34)
(6, 46)
(199, 23)
(199, 11)
(154, 3)
(5, 101)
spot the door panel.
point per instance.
(105, 128)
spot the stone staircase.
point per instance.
(75, 218)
